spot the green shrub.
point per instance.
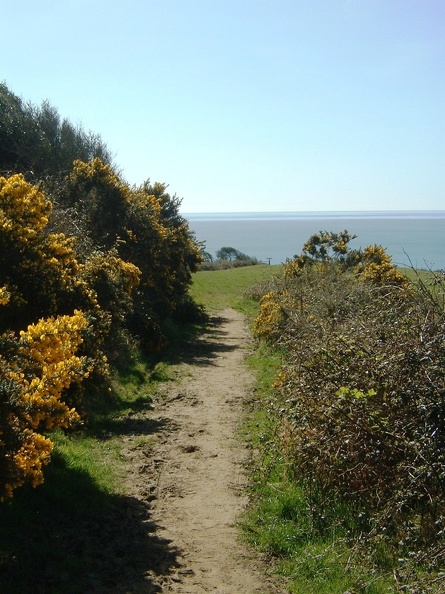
(361, 396)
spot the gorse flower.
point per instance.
(24, 210)
(71, 304)
(4, 296)
(41, 364)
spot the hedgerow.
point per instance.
(361, 397)
(91, 269)
(142, 225)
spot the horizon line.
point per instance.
(406, 210)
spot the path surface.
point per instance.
(171, 528)
(191, 471)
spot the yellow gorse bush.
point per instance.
(30, 459)
(143, 226)
(40, 275)
(270, 314)
(97, 171)
(376, 267)
(24, 210)
(129, 271)
(43, 367)
(118, 272)
(36, 266)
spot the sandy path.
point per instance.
(171, 527)
(191, 469)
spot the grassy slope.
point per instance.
(218, 289)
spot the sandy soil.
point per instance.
(173, 526)
(190, 470)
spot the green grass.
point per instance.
(42, 528)
(429, 282)
(282, 527)
(309, 556)
(219, 289)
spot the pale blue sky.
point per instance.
(248, 105)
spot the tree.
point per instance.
(35, 140)
(19, 135)
(229, 253)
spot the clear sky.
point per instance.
(248, 105)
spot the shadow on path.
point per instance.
(205, 346)
(69, 537)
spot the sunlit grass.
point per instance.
(219, 289)
(96, 457)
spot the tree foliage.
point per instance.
(37, 142)
(227, 253)
(226, 257)
(231, 254)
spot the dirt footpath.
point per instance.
(190, 470)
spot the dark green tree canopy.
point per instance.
(36, 141)
(231, 254)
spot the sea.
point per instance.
(411, 238)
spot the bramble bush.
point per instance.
(361, 395)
